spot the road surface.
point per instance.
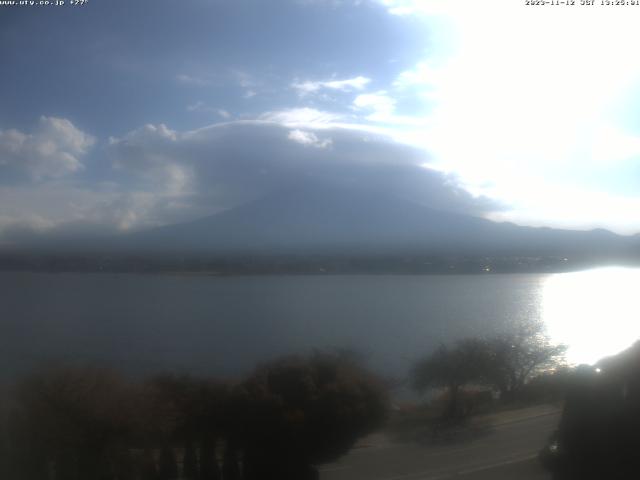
(507, 451)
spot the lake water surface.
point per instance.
(224, 325)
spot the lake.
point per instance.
(224, 325)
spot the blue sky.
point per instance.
(116, 115)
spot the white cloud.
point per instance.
(40, 209)
(346, 85)
(54, 149)
(233, 76)
(196, 107)
(26, 223)
(515, 112)
(309, 138)
(161, 167)
(243, 78)
(129, 211)
(581, 209)
(245, 81)
(302, 117)
(67, 210)
(380, 104)
(145, 133)
(424, 76)
(428, 7)
(397, 127)
(331, 3)
(193, 80)
(200, 106)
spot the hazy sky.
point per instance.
(127, 114)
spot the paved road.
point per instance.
(508, 451)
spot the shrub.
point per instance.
(297, 412)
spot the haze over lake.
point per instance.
(224, 325)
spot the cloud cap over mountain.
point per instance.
(157, 176)
(227, 164)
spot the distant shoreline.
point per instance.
(217, 274)
(300, 263)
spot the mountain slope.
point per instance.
(321, 220)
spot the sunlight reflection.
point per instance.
(594, 312)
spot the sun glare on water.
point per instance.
(595, 312)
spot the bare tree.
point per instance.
(518, 356)
(451, 368)
(505, 362)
